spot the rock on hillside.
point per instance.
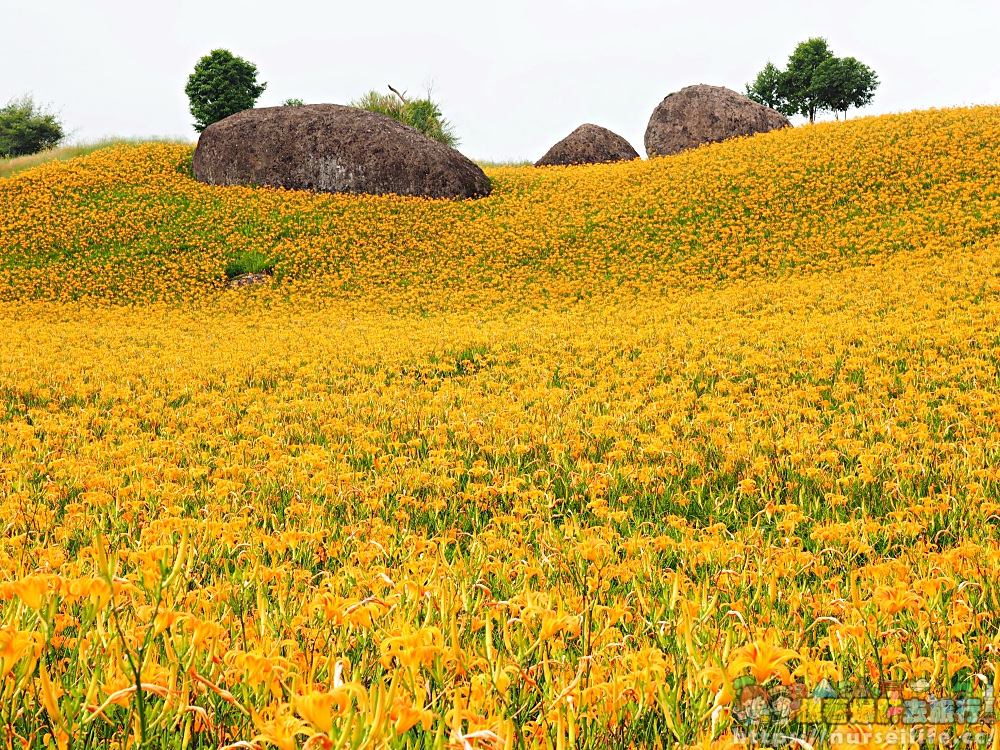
(333, 149)
(589, 144)
(706, 114)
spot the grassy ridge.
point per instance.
(12, 165)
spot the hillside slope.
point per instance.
(561, 468)
(130, 223)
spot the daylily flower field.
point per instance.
(595, 462)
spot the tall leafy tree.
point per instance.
(797, 80)
(815, 81)
(767, 89)
(221, 85)
(26, 128)
(844, 82)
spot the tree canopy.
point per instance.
(766, 88)
(26, 128)
(221, 85)
(844, 82)
(814, 81)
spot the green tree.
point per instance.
(797, 80)
(421, 114)
(26, 128)
(814, 81)
(844, 82)
(767, 87)
(293, 103)
(221, 85)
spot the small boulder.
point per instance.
(589, 144)
(706, 114)
(249, 279)
(333, 149)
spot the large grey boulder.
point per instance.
(589, 144)
(706, 114)
(333, 149)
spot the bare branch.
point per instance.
(401, 96)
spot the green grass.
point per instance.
(13, 165)
(252, 262)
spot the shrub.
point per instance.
(25, 128)
(293, 103)
(422, 114)
(221, 85)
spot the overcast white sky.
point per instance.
(513, 76)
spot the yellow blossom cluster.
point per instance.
(577, 465)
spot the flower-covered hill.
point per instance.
(130, 223)
(611, 459)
